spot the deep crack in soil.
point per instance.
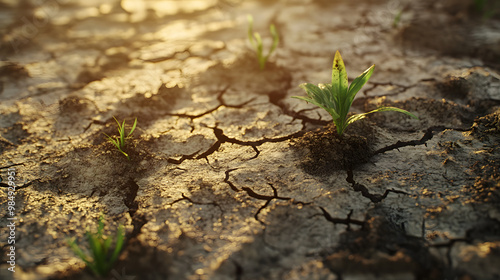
(375, 198)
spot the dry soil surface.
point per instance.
(231, 178)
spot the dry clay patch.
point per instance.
(183, 199)
(231, 215)
(101, 166)
(411, 203)
(411, 227)
(217, 196)
(186, 196)
(263, 192)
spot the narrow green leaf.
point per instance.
(258, 39)
(358, 117)
(113, 141)
(78, 251)
(260, 50)
(397, 18)
(339, 67)
(125, 154)
(250, 31)
(95, 248)
(360, 81)
(122, 135)
(339, 81)
(120, 236)
(276, 40)
(119, 128)
(133, 128)
(116, 143)
(106, 245)
(355, 118)
(382, 109)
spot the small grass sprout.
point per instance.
(397, 18)
(102, 257)
(256, 42)
(336, 98)
(119, 141)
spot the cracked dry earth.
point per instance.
(229, 177)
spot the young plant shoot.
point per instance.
(256, 42)
(397, 18)
(336, 98)
(119, 142)
(102, 258)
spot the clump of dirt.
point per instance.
(327, 151)
(381, 247)
(486, 188)
(487, 125)
(454, 88)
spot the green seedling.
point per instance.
(336, 98)
(256, 42)
(119, 142)
(102, 257)
(397, 18)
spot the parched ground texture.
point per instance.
(231, 178)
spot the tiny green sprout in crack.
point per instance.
(397, 18)
(119, 141)
(336, 98)
(256, 42)
(102, 257)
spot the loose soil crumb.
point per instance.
(487, 125)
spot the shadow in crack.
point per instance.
(381, 248)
